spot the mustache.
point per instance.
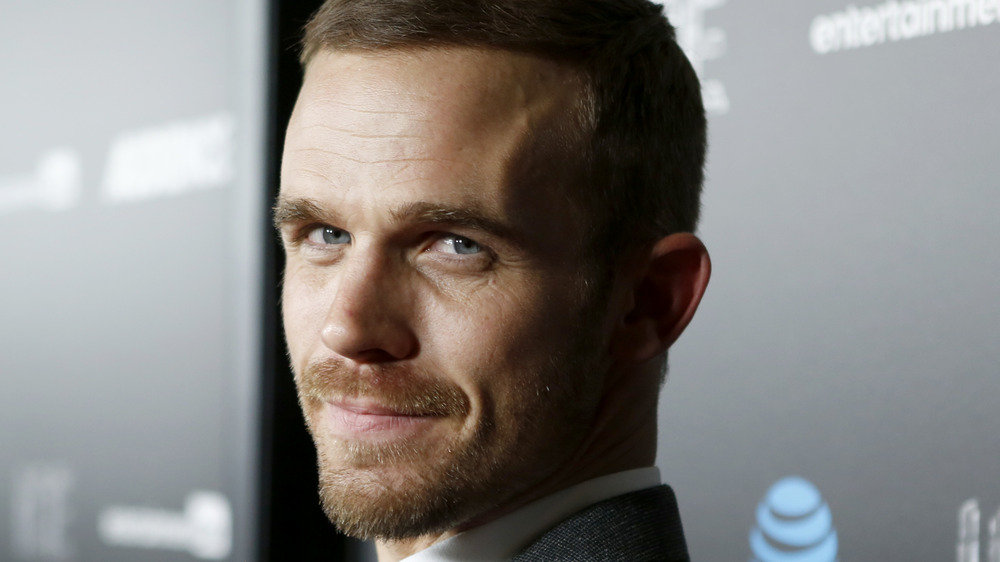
(407, 390)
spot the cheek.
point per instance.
(303, 314)
(499, 343)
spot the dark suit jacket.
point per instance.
(636, 527)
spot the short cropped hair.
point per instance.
(643, 155)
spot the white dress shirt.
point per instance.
(505, 536)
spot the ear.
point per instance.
(665, 296)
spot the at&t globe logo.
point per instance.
(794, 524)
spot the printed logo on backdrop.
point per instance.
(40, 512)
(204, 528)
(794, 524)
(142, 164)
(53, 185)
(892, 21)
(169, 159)
(701, 44)
(969, 547)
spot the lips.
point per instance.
(376, 402)
(368, 407)
(364, 419)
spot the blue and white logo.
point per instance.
(794, 524)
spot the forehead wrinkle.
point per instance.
(372, 93)
(401, 160)
(355, 133)
(362, 142)
(327, 122)
(305, 170)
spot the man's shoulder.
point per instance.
(639, 526)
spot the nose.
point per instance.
(368, 320)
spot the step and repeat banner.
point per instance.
(130, 213)
(838, 395)
(836, 398)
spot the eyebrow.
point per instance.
(301, 210)
(286, 211)
(424, 212)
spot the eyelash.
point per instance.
(302, 236)
(310, 230)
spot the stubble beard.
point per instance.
(369, 496)
(382, 490)
(401, 489)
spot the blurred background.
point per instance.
(836, 397)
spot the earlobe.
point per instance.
(665, 297)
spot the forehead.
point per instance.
(451, 88)
(452, 118)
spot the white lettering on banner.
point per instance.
(204, 528)
(700, 44)
(170, 159)
(146, 164)
(968, 547)
(854, 28)
(40, 512)
(55, 184)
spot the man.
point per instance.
(487, 211)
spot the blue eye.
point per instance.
(329, 235)
(466, 246)
(453, 244)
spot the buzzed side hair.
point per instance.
(643, 153)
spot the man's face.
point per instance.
(447, 346)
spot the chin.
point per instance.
(397, 491)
